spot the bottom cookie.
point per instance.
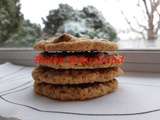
(75, 92)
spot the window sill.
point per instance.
(136, 60)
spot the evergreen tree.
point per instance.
(88, 22)
(14, 29)
(28, 34)
(10, 18)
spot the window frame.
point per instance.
(143, 60)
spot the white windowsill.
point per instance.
(136, 60)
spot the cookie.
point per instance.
(67, 42)
(75, 92)
(71, 76)
(69, 61)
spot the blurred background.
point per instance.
(132, 24)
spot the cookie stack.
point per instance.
(71, 68)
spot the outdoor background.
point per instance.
(132, 24)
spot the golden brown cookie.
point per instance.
(68, 42)
(71, 66)
(75, 92)
(71, 76)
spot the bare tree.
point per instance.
(152, 17)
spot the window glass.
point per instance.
(133, 24)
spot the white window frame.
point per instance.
(136, 60)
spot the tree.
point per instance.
(28, 34)
(152, 15)
(10, 18)
(88, 22)
(14, 29)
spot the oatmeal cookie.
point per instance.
(67, 42)
(71, 76)
(75, 92)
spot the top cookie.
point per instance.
(67, 42)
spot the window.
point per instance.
(126, 22)
(122, 21)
